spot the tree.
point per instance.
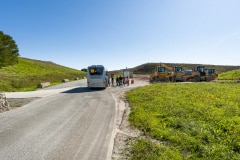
(84, 70)
(8, 50)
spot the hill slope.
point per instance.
(230, 75)
(28, 73)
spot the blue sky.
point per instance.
(124, 33)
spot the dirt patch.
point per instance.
(145, 78)
(19, 102)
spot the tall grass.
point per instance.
(28, 73)
(196, 121)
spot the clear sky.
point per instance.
(124, 33)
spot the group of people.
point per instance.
(120, 81)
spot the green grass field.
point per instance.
(186, 121)
(28, 73)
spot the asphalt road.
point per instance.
(69, 122)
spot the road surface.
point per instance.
(69, 121)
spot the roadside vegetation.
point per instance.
(186, 121)
(8, 50)
(231, 75)
(28, 73)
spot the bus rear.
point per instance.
(97, 76)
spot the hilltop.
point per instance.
(29, 72)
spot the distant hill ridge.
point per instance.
(39, 60)
(149, 68)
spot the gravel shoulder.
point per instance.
(125, 135)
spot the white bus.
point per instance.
(97, 76)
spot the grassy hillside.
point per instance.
(28, 73)
(231, 75)
(186, 121)
(149, 68)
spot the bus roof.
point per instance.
(96, 66)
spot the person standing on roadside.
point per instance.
(120, 80)
(109, 81)
(112, 81)
(127, 80)
(117, 81)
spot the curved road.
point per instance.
(68, 121)
(75, 123)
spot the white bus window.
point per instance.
(96, 71)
